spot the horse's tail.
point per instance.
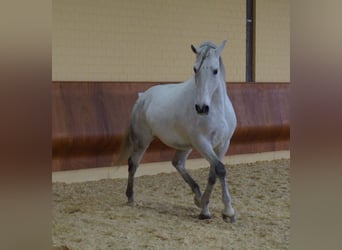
(124, 148)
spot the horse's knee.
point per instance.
(220, 170)
(177, 162)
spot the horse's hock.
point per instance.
(89, 120)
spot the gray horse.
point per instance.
(196, 114)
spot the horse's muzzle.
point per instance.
(202, 110)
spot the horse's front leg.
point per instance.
(205, 213)
(217, 170)
(228, 211)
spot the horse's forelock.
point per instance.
(205, 47)
(208, 44)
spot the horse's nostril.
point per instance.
(205, 109)
(202, 110)
(197, 107)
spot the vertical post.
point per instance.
(249, 40)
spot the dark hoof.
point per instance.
(226, 217)
(204, 217)
(130, 202)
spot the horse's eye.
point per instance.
(215, 71)
(195, 70)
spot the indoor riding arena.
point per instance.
(105, 54)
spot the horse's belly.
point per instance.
(176, 144)
(172, 137)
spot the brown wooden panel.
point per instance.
(89, 120)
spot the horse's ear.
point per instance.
(221, 47)
(194, 49)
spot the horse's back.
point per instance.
(162, 101)
(166, 94)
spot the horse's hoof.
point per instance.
(204, 217)
(231, 218)
(130, 202)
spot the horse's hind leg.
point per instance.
(133, 163)
(179, 163)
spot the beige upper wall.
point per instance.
(272, 41)
(143, 40)
(149, 40)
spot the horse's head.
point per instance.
(208, 75)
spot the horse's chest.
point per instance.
(215, 129)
